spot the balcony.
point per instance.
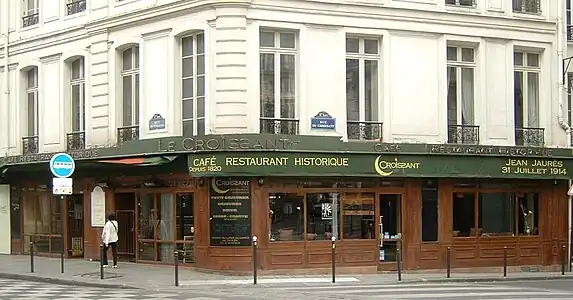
(461, 3)
(279, 126)
(76, 141)
(364, 130)
(75, 6)
(30, 145)
(527, 6)
(534, 137)
(30, 19)
(569, 33)
(463, 134)
(128, 133)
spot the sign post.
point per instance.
(62, 166)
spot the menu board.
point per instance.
(230, 207)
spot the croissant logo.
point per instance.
(215, 185)
(387, 168)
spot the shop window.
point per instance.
(165, 227)
(15, 224)
(496, 214)
(430, 211)
(146, 217)
(42, 221)
(528, 214)
(185, 226)
(390, 226)
(358, 215)
(286, 216)
(322, 209)
(464, 214)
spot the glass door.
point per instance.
(390, 222)
(76, 224)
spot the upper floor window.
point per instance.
(527, 6)
(464, 3)
(526, 91)
(75, 6)
(130, 86)
(193, 83)
(30, 13)
(77, 92)
(568, 20)
(460, 76)
(32, 102)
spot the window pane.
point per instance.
(464, 214)
(187, 88)
(532, 60)
(31, 114)
(518, 95)
(266, 39)
(468, 55)
(452, 96)
(430, 211)
(76, 108)
(200, 64)
(136, 57)
(127, 57)
(320, 209)
(371, 46)
(287, 40)
(358, 215)
(352, 90)
(146, 216)
(371, 90)
(452, 53)
(187, 109)
(165, 224)
(185, 217)
(44, 214)
(390, 225)
(518, 58)
(187, 46)
(187, 67)
(201, 126)
(200, 44)
(32, 78)
(467, 96)
(287, 79)
(267, 84)
(56, 217)
(352, 45)
(76, 69)
(496, 214)
(136, 100)
(200, 107)
(532, 100)
(201, 86)
(286, 217)
(127, 101)
(528, 214)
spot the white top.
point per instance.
(109, 233)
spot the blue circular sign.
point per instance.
(62, 165)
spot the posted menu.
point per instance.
(230, 207)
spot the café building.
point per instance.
(208, 196)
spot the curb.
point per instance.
(492, 279)
(65, 281)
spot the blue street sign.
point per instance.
(62, 165)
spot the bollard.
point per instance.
(505, 261)
(333, 259)
(563, 260)
(31, 257)
(62, 260)
(101, 249)
(254, 259)
(399, 264)
(448, 262)
(176, 265)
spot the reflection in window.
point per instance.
(464, 214)
(286, 217)
(496, 213)
(528, 214)
(430, 211)
(358, 212)
(185, 217)
(321, 208)
(146, 217)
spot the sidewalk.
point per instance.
(160, 277)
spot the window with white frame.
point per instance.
(130, 86)
(77, 93)
(75, 6)
(526, 89)
(30, 13)
(32, 102)
(278, 53)
(362, 62)
(193, 83)
(461, 85)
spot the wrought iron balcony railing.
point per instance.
(30, 19)
(76, 141)
(463, 134)
(530, 137)
(30, 145)
(364, 130)
(527, 6)
(76, 6)
(463, 3)
(570, 33)
(128, 133)
(279, 126)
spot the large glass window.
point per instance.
(32, 102)
(527, 71)
(362, 57)
(430, 211)
(286, 216)
(358, 211)
(496, 213)
(461, 65)
(77, 92)
(130, 86)
(464, 214)
(193, 83)
(528, 214)
(42, 221)
(322, 208)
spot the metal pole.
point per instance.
(505, 261)
(563, 260)
(333, 259)
(399, 264)
(101, 249)
(448, 262)
(254, 259)
(63, 241)
(62, 260)
(31, 256)
(176, 256)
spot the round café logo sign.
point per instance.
(387, 168)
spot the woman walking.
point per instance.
(109, 238)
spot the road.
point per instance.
(558, 289)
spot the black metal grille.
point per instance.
(569, 33)
(128, 133)
(465, 3)
(364, 130)
(30, 20)
(279, 126)
(527, 6)
(463, 134)
(76, 6)
(30, 145)
(76, 141)
(530, 137)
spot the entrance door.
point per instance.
(76, 224)
(125, 215)
(390, 222)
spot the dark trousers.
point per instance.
(113, 253)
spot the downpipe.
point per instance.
(6, 106)
(560, 79)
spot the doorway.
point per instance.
(76, 225)
(390, 222)
(125, 215)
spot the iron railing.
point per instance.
(76, 140)
(30, 145)
(570, 33)
(364, 130)
(527, 6)
(463, 3)
(127, 133)
(30, 19)
(463, 134)
(76, 6)
(530, 137)
(279, 126)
